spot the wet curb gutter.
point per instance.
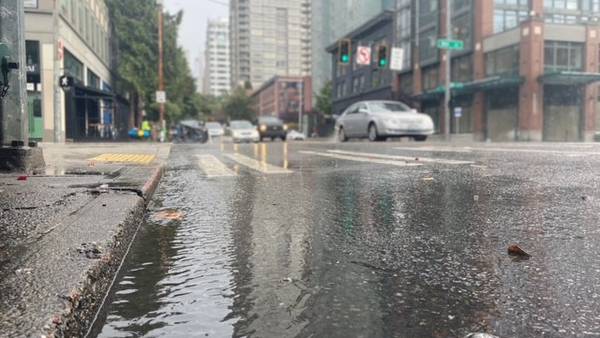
(84, 302)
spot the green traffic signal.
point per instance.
(345, 58)
(383, 62)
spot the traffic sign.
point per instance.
(450, 44)
(161, 97)
(397, 59)
(453, 85)
(458, 111)
(363, 56)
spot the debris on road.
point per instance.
(515, 250)
(22, 178)
(90, 250)
(428, 179)
(168, 215)
(287, 280)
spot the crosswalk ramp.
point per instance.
(143, 159)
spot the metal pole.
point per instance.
(161, 79)
(301, 107)
(57, 70)
(448, 71)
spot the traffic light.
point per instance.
(345, 46)
(382, 56)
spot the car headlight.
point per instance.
(263, 128)
(285, 127)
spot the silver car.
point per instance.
(378, 120)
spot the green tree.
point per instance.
(238, 105)
(135, 26)
(324, 102)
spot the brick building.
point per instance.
(281, 97)
(528, 70)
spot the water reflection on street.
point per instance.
(357, 253)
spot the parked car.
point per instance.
(191, 131)
(271, 127)
(294, 135)
(243, 131)
(378, 120)
(215, 129)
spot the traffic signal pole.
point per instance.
(448, 71)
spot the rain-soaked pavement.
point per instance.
(366, 240)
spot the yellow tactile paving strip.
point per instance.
(125, 158)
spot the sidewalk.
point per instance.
(63, 236)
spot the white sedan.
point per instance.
(243, 131)
(378, 120)
(215, 129)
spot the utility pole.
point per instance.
(448, 71)
(161, 75)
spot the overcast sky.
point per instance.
(192, 33)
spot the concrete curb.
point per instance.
(84, 302)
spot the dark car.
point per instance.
(271, 127)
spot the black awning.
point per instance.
(86, 92)
(569, 78)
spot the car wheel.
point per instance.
(373, 134)
(282, 138)
(342, 135)
(420, 138)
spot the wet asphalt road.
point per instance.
(366, 240)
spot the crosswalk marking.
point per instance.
(401, 158)
(212, 167)
(125, 158)
(362, 159)
(261, 166)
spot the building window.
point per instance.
(509, 13)
(462, 30)
(73, 66)
(427, 46)
(462, 69)
(93, 80)
(503, 61)
(406, 84)
(431, 77)
(563, 56)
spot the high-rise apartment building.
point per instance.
(269, 38)
(217, 70)
(333, 19)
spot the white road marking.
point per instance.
(362, 159)
(439, 150)
(504, 150)
(401, 158)
(212, 167)
(260, 166)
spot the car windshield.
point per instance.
(241, 125)
(389, 107)
(213, 125)
(269, 120)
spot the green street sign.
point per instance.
(453, 85)
(450, 44)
